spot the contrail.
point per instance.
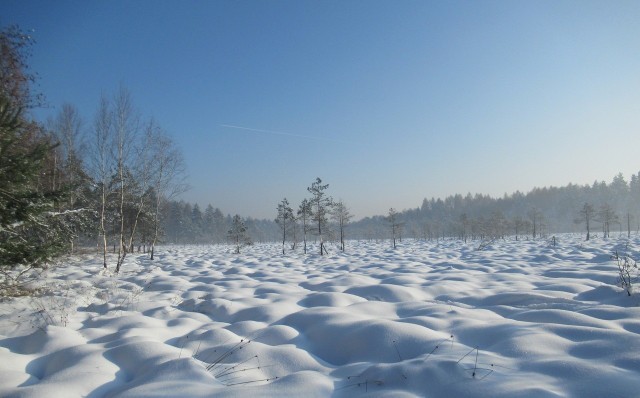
(278, 133)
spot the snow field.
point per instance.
(430, 319)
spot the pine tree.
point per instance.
(238, 234)
(284, 218)
(320, 205)
(304, 215)
(395, 225)
(32, 231)
(341, 216)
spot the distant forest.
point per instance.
(609, 208)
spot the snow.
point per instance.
(429, 319)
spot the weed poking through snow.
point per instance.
(231, 368)
(627, 271)
(476, 372)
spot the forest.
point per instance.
(600, 209)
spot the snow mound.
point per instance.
(429, 319)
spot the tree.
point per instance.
(208, 222)
(606, 216)
(35, 223)
(320, 205)
(518, 225)
(585, 215)
(126, 125)
(102, 163)
(394, 223)
(32, 231)
(304, 215)
(15, 77)
(535, 217)
(197, 220)
(284, 218)
(341, 216)
(496, 226)
(167, 177)
(220, 224)
(464, 224)
(238, 235)
(68, 169)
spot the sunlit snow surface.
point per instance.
(517, 319)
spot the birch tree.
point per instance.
(126, 130)
(102, 163)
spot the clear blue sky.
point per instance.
(389, 102)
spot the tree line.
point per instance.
(186, 223)
(597, 208)
(67, 182)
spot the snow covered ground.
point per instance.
(517, 319)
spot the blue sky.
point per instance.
(389, 102)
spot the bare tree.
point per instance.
(16, 79)
(143, 169)
(497, 225)
(341, 216)
(535, 217)
(607, 216)
(68, 169)
(167, 178)
(585, 215)
(395, 225)
(284, 219)
(101, 165)
(518, 225)
(320, 205)
(304, 215)
(126, 129)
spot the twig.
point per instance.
(252, 381)
(397, 351)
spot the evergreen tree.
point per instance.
(32, 230)
(197, 222)
(395, 225)
(320, 205)
(220, 225)
(208, 223)
(284, 218)
(238, 235)
(341, 216)
(304, 215)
